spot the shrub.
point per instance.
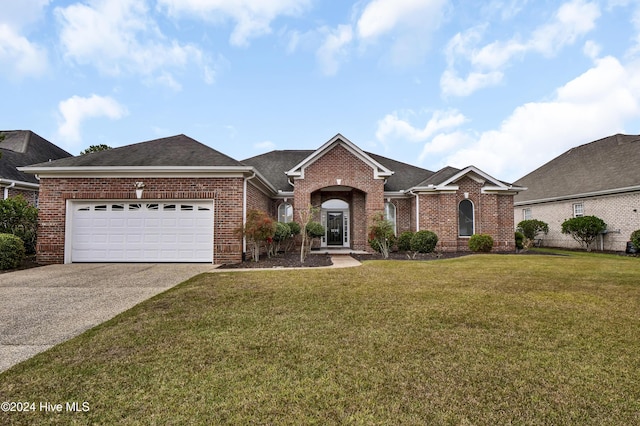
(294, 228)
(519, 240)
(481, 243)
(584, 229)
(404, 241)
(635, 239)
(258, 228)
(19, 218)
(381, 235)
(11, 251)
(315, 230)
(424, 242)
(531, 228)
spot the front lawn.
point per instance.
(482, 339)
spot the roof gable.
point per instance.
(379, 171)
(174, 151)
(445, 180)
(23, 147)
(607, 165)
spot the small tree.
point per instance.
(96, 148)
(258, 228)
(381, 235)
(584, 229)
(531, 228)
(306, 218)
(19, 218)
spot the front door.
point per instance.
(334, 228)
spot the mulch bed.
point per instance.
(28, 263)
(284, 260)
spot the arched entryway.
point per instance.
(335, 216)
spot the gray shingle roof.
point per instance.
(176, 151)
(22, 148)
(607, 164)
(273, 165)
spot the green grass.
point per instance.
(483, 339)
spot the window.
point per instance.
(578, 210)
(465, 218)
(526, 214)
(390, 215)
(285, 213)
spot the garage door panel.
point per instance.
(142, 232)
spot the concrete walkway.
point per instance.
(44, 306)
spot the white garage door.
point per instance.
(127, 231)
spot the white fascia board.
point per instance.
(142, 171)
(605, 192)
(396, 194)
(379, 171)
(435, 188)
(18, 184)
(473, 169)
(502, 189)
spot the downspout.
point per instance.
(244, 211)
(417, 209)
(6, 190)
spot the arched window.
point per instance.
(465, 218)
(285, 213)
(390, 215)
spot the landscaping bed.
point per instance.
(283, 260)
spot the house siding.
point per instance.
(227, 194)
(30, 196)
(324, 172)
(617, 211)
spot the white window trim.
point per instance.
(395, 215)
(473, 219)
(576, 207)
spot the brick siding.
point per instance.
(227, 192)
(617, 211)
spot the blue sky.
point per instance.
(505, 85)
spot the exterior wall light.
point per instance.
(139, 188)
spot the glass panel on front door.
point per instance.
(334, 228)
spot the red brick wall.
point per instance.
(439, 213)
(30, 196)
(228, 194)
(339, 163)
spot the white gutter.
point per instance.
(576, 196)
(6, 190)
(417, 209)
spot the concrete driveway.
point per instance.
(44, 306)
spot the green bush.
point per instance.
(424, 242)
(584, 229)
(19, 218)
(315, 230)
(519, 240)
(404, 241)
(11, 251)
(530, 228)
(635, 238)
(481, 243)
(294, 228)
(381, 235)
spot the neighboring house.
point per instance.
(21, 148)
(600, 179)
(177, 200)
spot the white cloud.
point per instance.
(572, 20)
(77, 109)
(596, 104)
(334, 46)
(18, 56)
(252, 17)
(384, 16)
(393, 127)
(119, 37)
